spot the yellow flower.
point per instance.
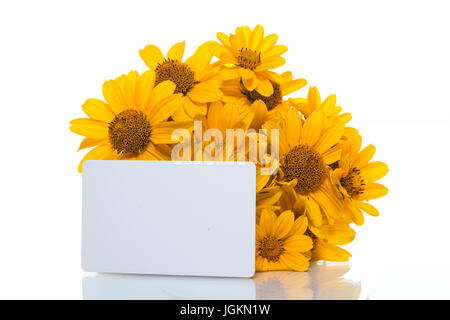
(332, 111)
(280, 242)
(131, 124)
(327, 251)
(356, 177)
(285, 285)
(249, 56)
(267, 193)
(196, 79)
(307, 148)
(221, 117)
(273, 108)
(326, 237)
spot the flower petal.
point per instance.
(98, 110)
(176, 51)
(89, 128)
(283, 224)
(104, 152)
(152, 56)
(114, 96)
(268, 218)
(207, 91)
(374, 171)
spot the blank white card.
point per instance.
(169, 218)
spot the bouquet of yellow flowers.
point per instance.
(313, 180)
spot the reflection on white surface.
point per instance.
(118, 286)
(322, 281)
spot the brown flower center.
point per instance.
(305, 165)
(353, 183)
(248, 59)
(270, 248)
(177, 72)
(271, 101)
(129, 133)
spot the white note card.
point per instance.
(169, 218)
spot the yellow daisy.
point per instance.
(327, 251)
(306, 150)
(356, 177)
(326, 237)
(196, 79)
(329, 283)
(248, 55)
(267, 193)
(131, 124)
(280, 242)
(332, 112)
(273, 108)
(221, 117)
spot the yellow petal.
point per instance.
(158, 152)
(314, 213)
(162, 132)
(269, 41)
(292, 86)
(264, 86)
(293, 127)
(314, 98)
(330, 137)
(332, 155)
(260, 114)
(374, 171)
(312, 128)
(114, 96)
(370, 209)
(130, 89)
(104, 152)
(90, 142)
(217, 49)
(201, 58)
(295, 261)
(204, 92)
(192, 108)
(283, 224)
(339, 234)
(256, 38)
(356, 214)
(268, 218)
(300, 226)
(229, 74)
(259, 233)
(261, 181)
(330, 252)
(373, 190)
(164, 109)
(364, 156)
(98, 110)
(299, 243)
(224, 39)
(176, 52)
(144, 88)
(250, 83)
(152, 56)
(270, 63)
(274, 51)
(89, 128)
(161, 92)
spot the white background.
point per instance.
(387, 61)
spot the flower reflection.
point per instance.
(323, 281)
